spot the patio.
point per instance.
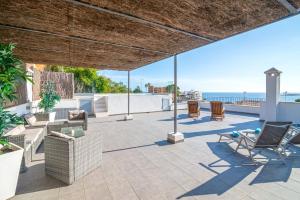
(138, 163)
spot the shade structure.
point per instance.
(127, 34)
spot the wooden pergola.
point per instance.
(127, 34)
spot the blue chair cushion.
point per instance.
(235, 134)
(257, 131)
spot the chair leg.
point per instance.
(238, 146)
(282, 155)
(250, 154)
(220, 138)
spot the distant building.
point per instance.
(157, 90)
(190, 95)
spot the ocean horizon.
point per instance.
(211, 96)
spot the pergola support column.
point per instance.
(175, 136)
(128, 116)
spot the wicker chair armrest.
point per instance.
(67, 140)
(17, 139)
(59, 158)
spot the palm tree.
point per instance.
(147, 85)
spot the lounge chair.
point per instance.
(292, 139)
(271, 137)
(217, 110)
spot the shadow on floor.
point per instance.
(197, 121)
(128, 148)
(235, 171)
(163, 143)
(238, 126)
(35, 180)
(277, 171)
(226, 179)
(179, 117)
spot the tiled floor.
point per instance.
(138, 163)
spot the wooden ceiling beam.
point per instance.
(288, 6)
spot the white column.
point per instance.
(128, 116)
(175, 136)
(272, 94)
(29, 86)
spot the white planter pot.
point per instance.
(9, 172)
(52, 116)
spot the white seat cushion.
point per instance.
(40, 123)
(16, 130)
(33, 134)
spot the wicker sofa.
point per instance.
(78, 116)
(68, 159)
(36, 120)
(29, 139)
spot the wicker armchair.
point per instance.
(217, 110)
(70, 159)
(77, 117)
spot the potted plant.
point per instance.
(10, 156)
(12, 73)
(49, 98)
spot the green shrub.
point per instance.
(49, 97)
(86, 80)
(12, 73)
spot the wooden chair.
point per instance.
(193, 108)
(217, 110)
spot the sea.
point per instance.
(216, 96)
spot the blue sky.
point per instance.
(235, 64)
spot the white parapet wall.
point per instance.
(65, 105)
(117, 103)
(288, 111)
(20, 109)
(139, 103)
(235, 108)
